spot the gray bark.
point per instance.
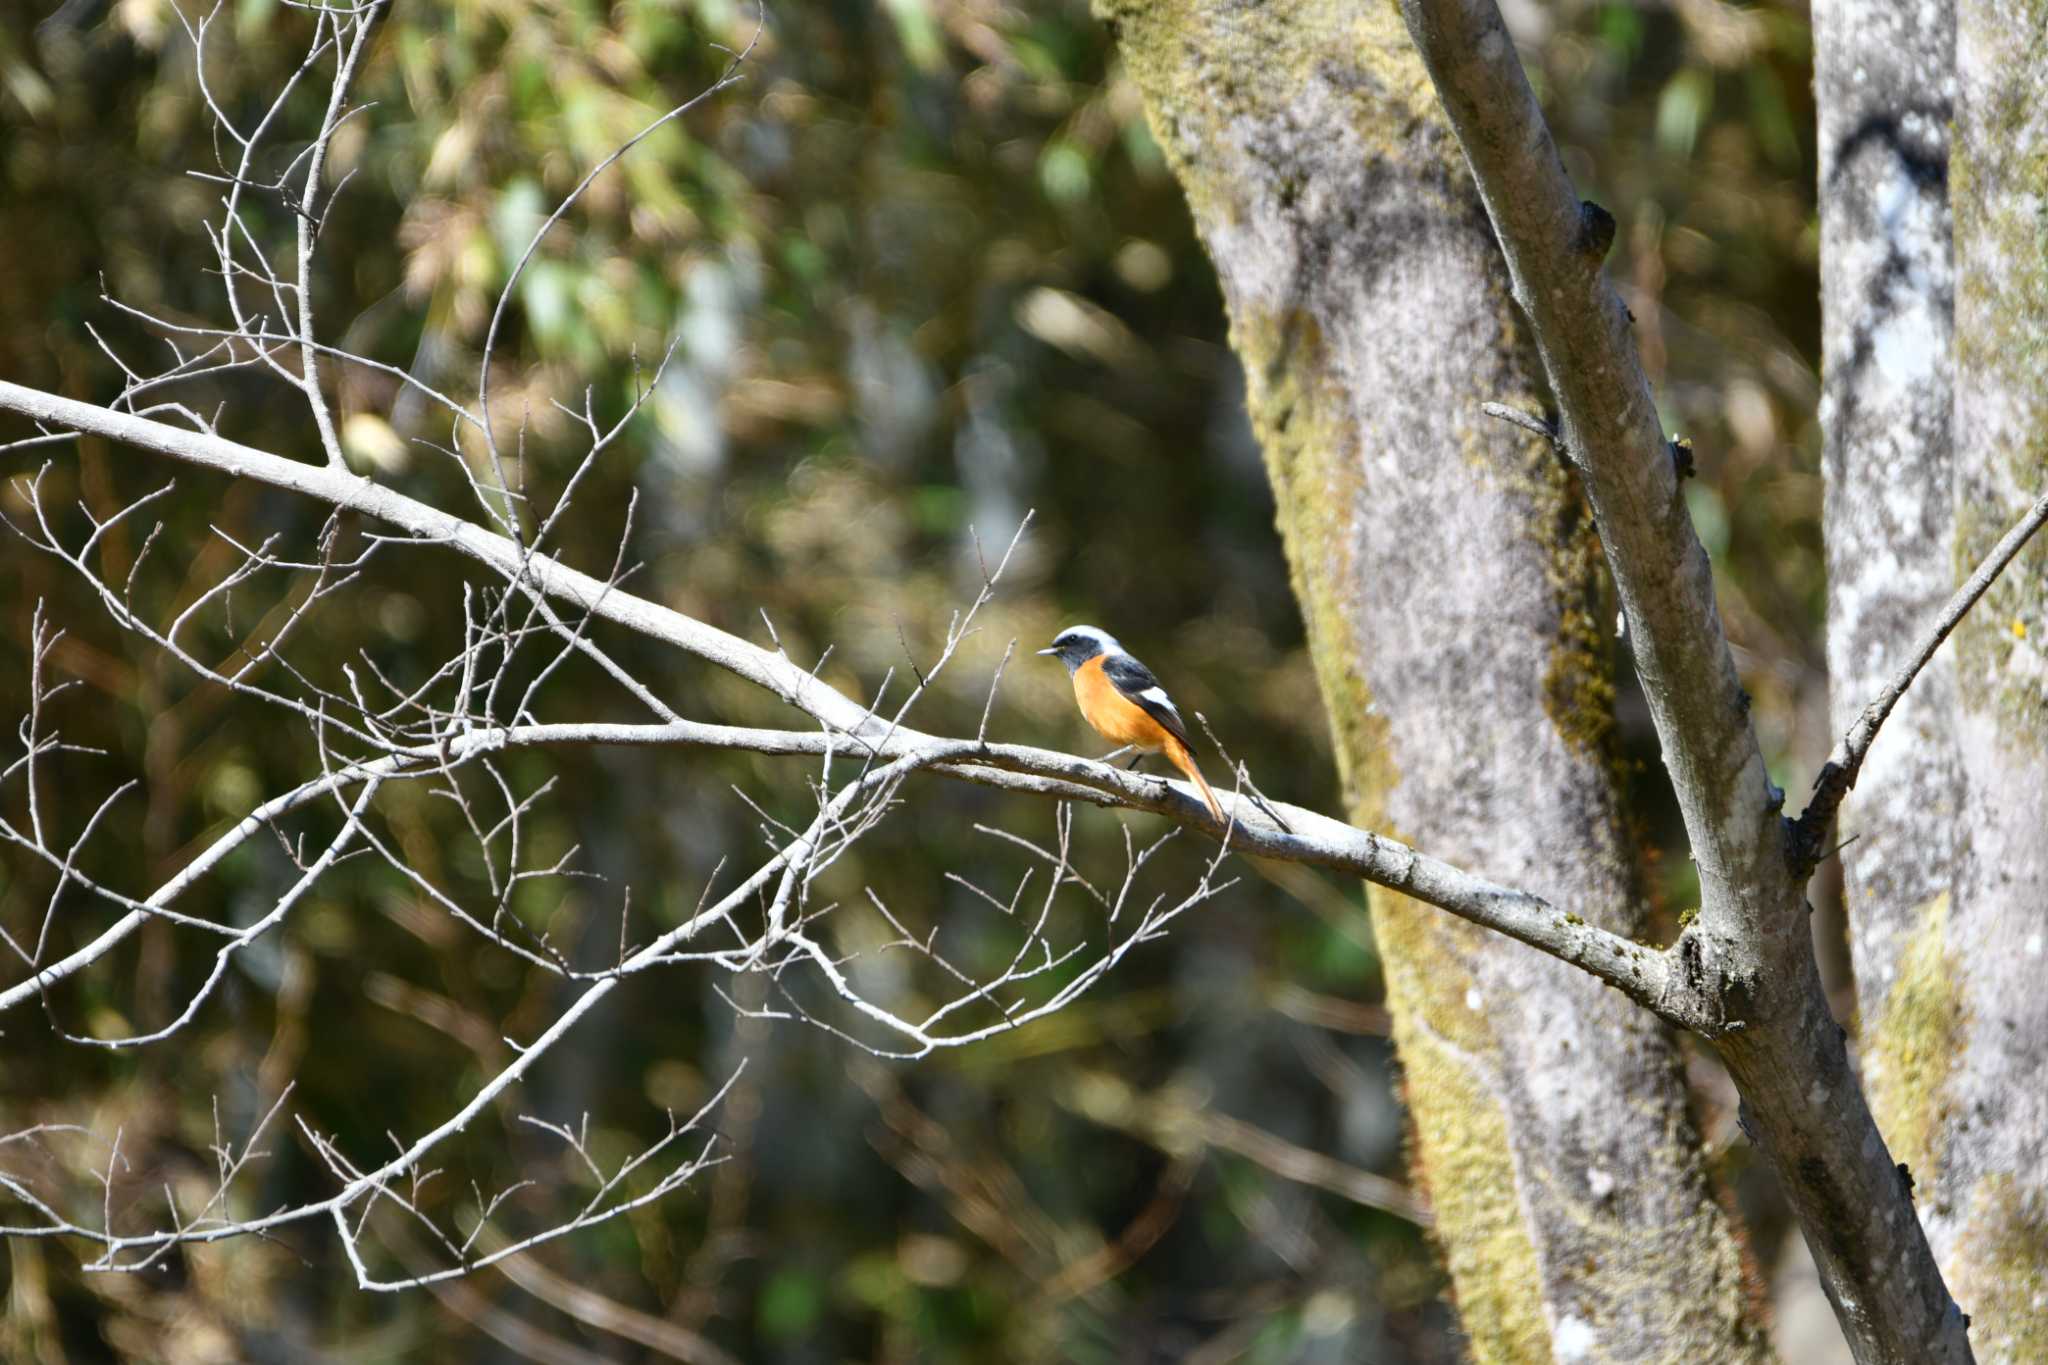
(1982, 1025)
(1881, 77)
(1883, 83)
(1948, 877)
(1448, 577)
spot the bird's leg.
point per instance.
(1136, 759)
(1114, 754)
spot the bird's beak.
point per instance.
(1048, 651)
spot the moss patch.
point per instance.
(1914, 1041)
(2000, 1277)
(1462, 1144)
(1204, 67)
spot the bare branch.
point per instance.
(1324, 842)
(730, 76)
(1808, 843)
(1171, 1121)
(358, 23)
(1528, 422)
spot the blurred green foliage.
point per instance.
(927, 271)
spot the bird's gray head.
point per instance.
(1076, 645)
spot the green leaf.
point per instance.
(1064, 173)
(1687, 99)
(789, 1305)
(918, 33)
(546, 292)
(516, 216)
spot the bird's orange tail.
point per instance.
(1177, 754)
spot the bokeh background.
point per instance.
(929, 272)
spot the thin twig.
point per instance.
(1838, 775)
(1526, 421)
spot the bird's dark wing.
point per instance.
(1136, 683)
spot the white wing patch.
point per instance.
(1157, 696)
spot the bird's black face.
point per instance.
(1076, 645)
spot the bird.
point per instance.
(1125, 704)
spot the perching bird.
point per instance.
(1125, 703)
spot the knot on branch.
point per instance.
(1595, 232)
(1701, 993)
(1681, 457)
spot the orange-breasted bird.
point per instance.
(1125, 703)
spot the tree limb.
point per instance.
(1315, 839)
(1643, 973)
(357, 493)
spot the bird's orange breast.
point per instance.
(1115, 717)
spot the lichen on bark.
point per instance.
(1460, 1164)
(1907, 1056)
(1988, 1197)
(1999, 1253)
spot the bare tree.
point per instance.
(1741, 975)
(450, 729)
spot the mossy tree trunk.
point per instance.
(1450, 583)
(1936, 371)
